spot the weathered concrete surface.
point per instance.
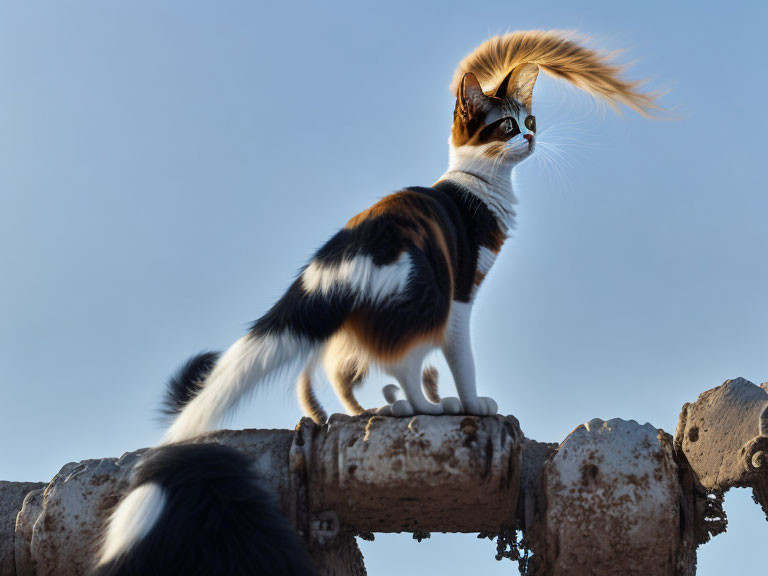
(57, 531)
(531, 501)
(614, 498)
(12, 496)
(63, 526)
(721, 436)
(754, 456)
(32, 507)
(376, 474)
(712, 431)
(420, 474)
(613, 504)
(341, 558)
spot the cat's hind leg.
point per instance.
(345, 376)
(346, 366)
(309, 403)
(408, 374)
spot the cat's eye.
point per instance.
(507, 125)
(530, 123)
(510, 127)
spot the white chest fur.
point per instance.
(485, 260)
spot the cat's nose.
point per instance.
(528, 137)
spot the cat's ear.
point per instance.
(518, 84)
(471, 97)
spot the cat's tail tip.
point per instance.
(186, 382)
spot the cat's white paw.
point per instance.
(402, 408)
(491, 407)
(481, 406)
(451, 405)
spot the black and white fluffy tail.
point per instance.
(199, 510)
(250, 360)
(209, 386)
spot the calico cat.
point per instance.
(400, 279)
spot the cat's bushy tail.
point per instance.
(199, 510)
(249, 361)
(561, 56)
(200, 506)
(209, 386)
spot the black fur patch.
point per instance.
(314, 317)
(217, 520)
(476, 226)
(185, 383)
(466, 224)
(389, 323)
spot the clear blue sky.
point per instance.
(166, 167)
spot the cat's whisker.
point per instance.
(549, 166)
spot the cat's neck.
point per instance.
(484, 178)
(493, 189)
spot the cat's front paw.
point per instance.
(451, 405)
(402, 409)
(492, 408)
(481, 406)
(399, 408)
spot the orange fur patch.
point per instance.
(497, 241)
(365, 335)
(439, 236)
(400, 203)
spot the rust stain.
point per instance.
(589, 473)
(369, 426)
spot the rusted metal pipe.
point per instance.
(423, 474)
(374, 474)
(616, 497)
